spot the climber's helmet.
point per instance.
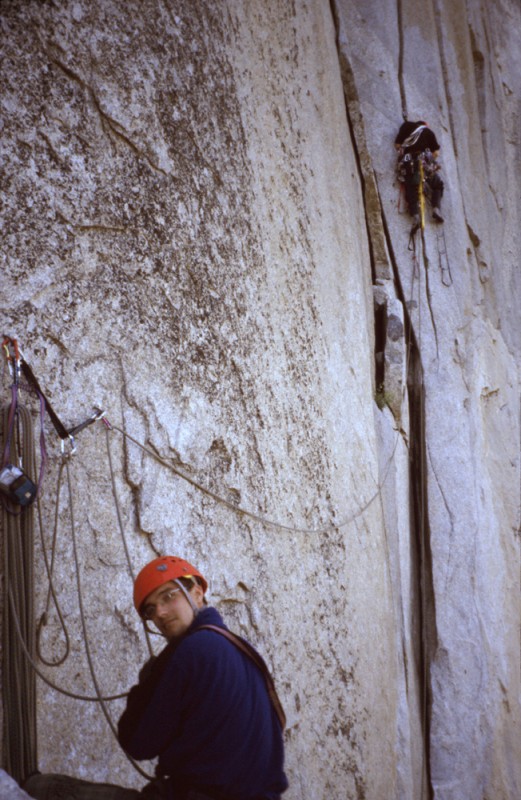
(167, 570)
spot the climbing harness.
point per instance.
(416, 168)
(425, 166)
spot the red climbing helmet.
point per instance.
(160, 571)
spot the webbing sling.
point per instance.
(30, 376)
(246, 648)
(19, 365)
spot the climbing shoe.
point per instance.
(436, 215)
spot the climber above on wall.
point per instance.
(205, 707)
(416, 142)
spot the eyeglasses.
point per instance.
(150, 610)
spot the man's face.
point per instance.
(170, 611)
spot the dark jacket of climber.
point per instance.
(202, 706)
(415, 141)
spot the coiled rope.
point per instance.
(18, 679)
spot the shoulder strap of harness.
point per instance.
(250, 651)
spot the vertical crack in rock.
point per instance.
(438, 16)
(426, 645)
(483, 268)
(479, 80)
(384, 267)
(380, 337)
(421, 556)
(450, 515)
(478, 61)
(401, 83)
(426, 264)
(373, 210)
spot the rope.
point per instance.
(421, 196)
(420, 503)
(49, 565)
(120, 523)
(419, 498)
(85, 632)
(239, 510)
(19, 711)
(51, 592)
(18, 680)
(44, 678)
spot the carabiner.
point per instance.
(73, 446)
(13, 360)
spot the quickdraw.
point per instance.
(17, 488)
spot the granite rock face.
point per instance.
(201, 236)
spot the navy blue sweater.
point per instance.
(202, 708)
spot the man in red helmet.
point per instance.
(206, 706)
(157, 587)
